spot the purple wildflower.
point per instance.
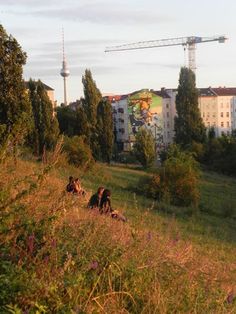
(54, 243)
(230, 297)
(30, 243)
(93, 265)
(149, 236)
(46, 259)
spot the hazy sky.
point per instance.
(91, 25)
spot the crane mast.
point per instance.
(187, 42)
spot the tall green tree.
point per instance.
(189, 126)
(144, 148)
(15, 108)
(46, 129)
(92, 97)
(72, 122)
(82, 125)
(105, 129)
(67, 120)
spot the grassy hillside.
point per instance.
(60, 257)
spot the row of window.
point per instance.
(207, 115)
(222, 124)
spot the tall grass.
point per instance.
(59, 257)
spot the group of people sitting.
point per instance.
(100, 201)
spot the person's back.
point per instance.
(70, 185)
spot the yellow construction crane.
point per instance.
(187, 42)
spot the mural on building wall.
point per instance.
(145, 110)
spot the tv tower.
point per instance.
(64, 71)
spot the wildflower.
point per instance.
(30, 243)
(54, 243)
(149, 236)
(93, 265)
(230, 297)
(46, 259)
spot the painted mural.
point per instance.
(145, 110)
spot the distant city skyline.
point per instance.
(92, 25)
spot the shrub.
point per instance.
(144, 148)
(177, 180)
(78, 152)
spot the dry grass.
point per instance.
(99, 265)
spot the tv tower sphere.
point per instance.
(64, 71)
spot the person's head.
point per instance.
(71, 179)
(77, 180)
(106, 193)
(100, 190)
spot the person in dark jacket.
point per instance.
(95, 199)
(70, 185)
(105, 205)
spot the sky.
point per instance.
(92, 25)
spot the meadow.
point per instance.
(59, 257)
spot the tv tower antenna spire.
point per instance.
(64, 71)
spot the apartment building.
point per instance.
(156, 110)
(144, 108)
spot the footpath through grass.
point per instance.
(60, 257)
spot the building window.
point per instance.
(214, 115)
(208, 124)
(222, 114)
(228, 133)
(167, 114)
(227, 124)
(203, 114)
(167, 106)
(227, 114)
(222, 124)
(168, 125)
(121, 110)
(168, 134)
(208, 114)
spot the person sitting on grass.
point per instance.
(95, 199)
(78, 188)
(70, 185)
(105, 205)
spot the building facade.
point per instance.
(147, 109)
(156, 111)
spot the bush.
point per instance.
(177, 180)
(78, 152)
(144, 148)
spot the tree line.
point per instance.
(27, 116)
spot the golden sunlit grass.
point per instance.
(63, 258)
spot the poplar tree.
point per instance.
(92, 97)
(15, 108)
(189, 127)
(105, 129)
(46, 129)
